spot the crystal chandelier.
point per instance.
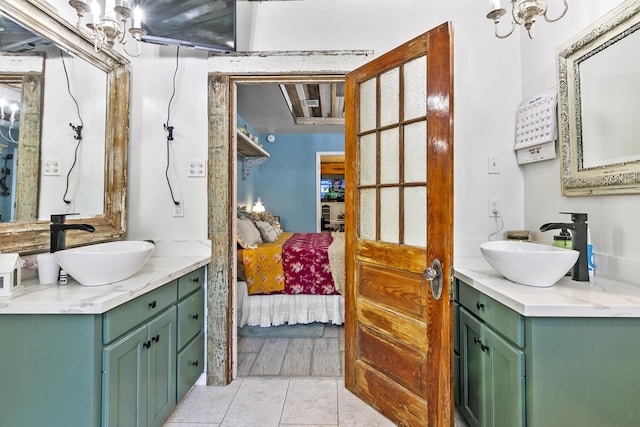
(523, 12)
(111, 27)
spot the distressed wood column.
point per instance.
(220, 202)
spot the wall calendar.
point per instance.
(537, 127)
(536, 121)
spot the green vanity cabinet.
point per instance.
(190, 361)
(119, 368)
(518, 370)
(139, 374)
(492, 376)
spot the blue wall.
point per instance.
(286, 181)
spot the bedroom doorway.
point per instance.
(330, 185)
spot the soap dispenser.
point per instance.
(563, 240)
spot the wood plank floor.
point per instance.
(293, 357)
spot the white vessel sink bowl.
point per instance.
(105, 263)
(528, 263)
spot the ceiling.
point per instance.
(14, 38)
(290, 108)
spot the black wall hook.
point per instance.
(78, 131)
(170, 130)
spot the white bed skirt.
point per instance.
(278, 309)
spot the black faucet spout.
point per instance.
(578, 227)
(58, 232)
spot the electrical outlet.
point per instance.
(52, 167)
(197, 168)
(178, 210)
(495, 207)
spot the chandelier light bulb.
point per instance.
(523, 12)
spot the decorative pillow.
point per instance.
(266, 217)
(248, 235)
(267, 231)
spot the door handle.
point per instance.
(433, 275)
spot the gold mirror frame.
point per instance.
(620, 178)
(30, 237)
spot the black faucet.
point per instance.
(58, 231)
(578, 227)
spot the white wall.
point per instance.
(487, 85)
(487, 92)
(612, 219)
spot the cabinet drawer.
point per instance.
(190, 317)
(502, 319)
(190, 282)
(190, 365)
(126, 316)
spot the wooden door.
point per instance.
(399, 156)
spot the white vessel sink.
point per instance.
(105, 263)
(528, 263)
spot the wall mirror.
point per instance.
(99, 80)
(598, 86)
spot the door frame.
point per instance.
(224, 73)
(319, 155)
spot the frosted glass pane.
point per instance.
(389, 152)
(368, 105)
(415, 214)
(368, 214)
(415, 152)
(368, 159)
(415, 88)
(390, 97)
(389, 215)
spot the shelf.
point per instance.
(248, 148)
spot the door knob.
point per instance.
(433, 274)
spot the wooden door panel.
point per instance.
(394, 325)
(393, 358)
(389, 397)
(397, 289)
(409, 258)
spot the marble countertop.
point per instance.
(567, 298)
(170, 260)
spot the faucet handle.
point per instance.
(576, 217)
(61, 218)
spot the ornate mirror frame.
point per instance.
(619, 178)
(30, 237)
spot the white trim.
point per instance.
(294, 62)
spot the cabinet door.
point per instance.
(125, 379)
(471, 367)
(503, 382)
(162, 367)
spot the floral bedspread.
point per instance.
(263, 267)
(305, 262)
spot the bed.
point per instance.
(288, 278)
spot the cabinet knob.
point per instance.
(196, 280)
(152, 304)
(195, 317)
(479, 305)
(146, 344)
(156, 338)
(194, 363)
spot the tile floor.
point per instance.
(274, 402)
(265, 396)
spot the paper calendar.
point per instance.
(536, 121)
